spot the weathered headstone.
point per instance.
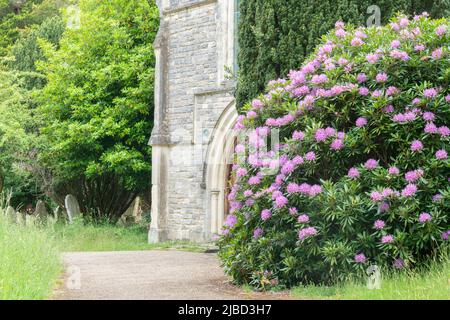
(133, 213)
(41, 212)
(11, 215)
(72, 207)
(60, 215)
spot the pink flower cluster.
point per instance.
(306, 233)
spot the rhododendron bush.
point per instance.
(360, 175)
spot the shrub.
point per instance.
(361, 175)
(276, 36)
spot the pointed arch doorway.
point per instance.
(219, 163)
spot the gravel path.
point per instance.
(146, 275)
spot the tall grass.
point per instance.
(29, 261)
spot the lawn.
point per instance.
(432, 284)
(30, 263)
(106, 237)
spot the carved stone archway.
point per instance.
(218, 159)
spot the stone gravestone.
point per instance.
(72, 207)
(11, 215)
(41, 212)
(133, 213)
(60, 215)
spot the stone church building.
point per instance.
(192, 140)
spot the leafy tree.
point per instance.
(16, 16)
(17, 139)
(275, 36)
(97, 106)
(27, 51)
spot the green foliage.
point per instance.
(275, 36)
(299, 215)
(17, 138)
(97, 106)
(16, 16)
(27, 50)
(430, 283)
(30, 264)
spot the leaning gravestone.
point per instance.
(72, 207)
(11, 215)
(60, 215)
(41, 212)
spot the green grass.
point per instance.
(432, 284)
(106, 237)
(29, 262)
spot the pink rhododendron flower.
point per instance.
(372, 58)
(293, 211)
(419, 47)
(363, 91)
(395, 44)
(376, 196)
(444, 131)
(425, 217)
(321, 135)
(298, 135)
(401, 55)
(337, 144)
(445, 235)
(428, 116)
(398, 263)
(437, 197)
(389, 108)
(360, 258)
(266, 214)
(255, 180)
(361, 122)
(394, 171)
(310, 156)
(303, 218)
(257, 233)
(241, 172)
(361, 78)
(440, 31)
(239, 148)
(379, 224)
(381, 77)
(437, 54)
(315, 190)
(371, 164)
(340, 33)
(257, 104)
(387, 239)
(248, 193)
(307, 232)
(281, 202)
(384, 206)
(430, 93)
(409, 190)
(230, 221)
(413, 176)
(441, 154)
(416, 145)
(356, 42)
(251, 114)
(293, 188)
(353, 173)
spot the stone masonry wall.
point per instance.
(194, 102)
